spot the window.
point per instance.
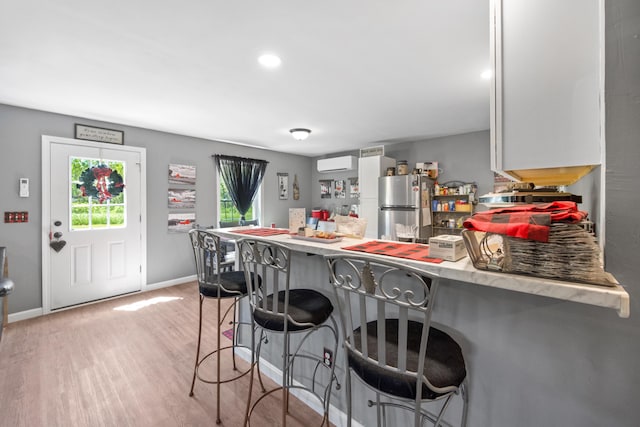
(97, 203)
(227, 211)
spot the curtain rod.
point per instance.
(226, 157)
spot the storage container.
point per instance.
(403, 167)
(447, 247)
(463, 206)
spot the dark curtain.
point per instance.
(242, 177)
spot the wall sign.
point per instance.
(90, 133)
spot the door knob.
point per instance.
(57, 245)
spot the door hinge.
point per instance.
(141, 269)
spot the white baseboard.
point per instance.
(24, 315)
(167, 283)
(336, 416)
(36, 312)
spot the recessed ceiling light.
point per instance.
(486, 74)
(269, 60)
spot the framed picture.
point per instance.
(182, 174)
(354, 187)
(181, 222)
(325, 189)
(283, 185)
(339, 192)
(180, 198)
(91, 133)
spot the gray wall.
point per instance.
(462, 157)
(168, 255)
(331, 203)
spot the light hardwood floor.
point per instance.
(98, 365)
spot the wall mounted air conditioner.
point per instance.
(337, 164)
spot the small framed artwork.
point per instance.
(354, 187)
(325, 189)
(182, 174)
(339, 192)
(181, 222)
(283, 185)
(91, 133)
(181, 198)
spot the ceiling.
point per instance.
(357, 73)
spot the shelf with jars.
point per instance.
(452, 202)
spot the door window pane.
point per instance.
(98, 196)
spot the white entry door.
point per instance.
(95, 221)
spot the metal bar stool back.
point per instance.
(216, 283)
(385, 309)
(278, 309)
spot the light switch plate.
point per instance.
(24, 187)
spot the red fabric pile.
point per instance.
(526, 221)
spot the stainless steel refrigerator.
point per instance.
(405, 207)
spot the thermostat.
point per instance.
(24, 187)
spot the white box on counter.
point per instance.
(447, 247)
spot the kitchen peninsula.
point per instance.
(485, 312)
(463, 270)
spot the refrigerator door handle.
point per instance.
(397, 208)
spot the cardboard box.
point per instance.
(447, 247)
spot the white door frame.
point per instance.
(46, 207)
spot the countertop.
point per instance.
(614, 297)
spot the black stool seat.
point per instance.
(215, 282)
(278, 309)
(386, 308)
(233, 285)
(444, 363)
(306, 306)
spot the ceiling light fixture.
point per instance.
(300, 134)
(269, 60)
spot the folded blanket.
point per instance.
(530, 221)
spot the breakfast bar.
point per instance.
(614, 297)
(509, 326)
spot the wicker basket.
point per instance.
(572, 254)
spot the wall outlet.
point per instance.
(327, 357)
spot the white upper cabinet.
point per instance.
(548, 88)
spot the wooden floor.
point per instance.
(100, 365)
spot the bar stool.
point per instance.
(278, 309)
(385, 308)
(215, 283)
